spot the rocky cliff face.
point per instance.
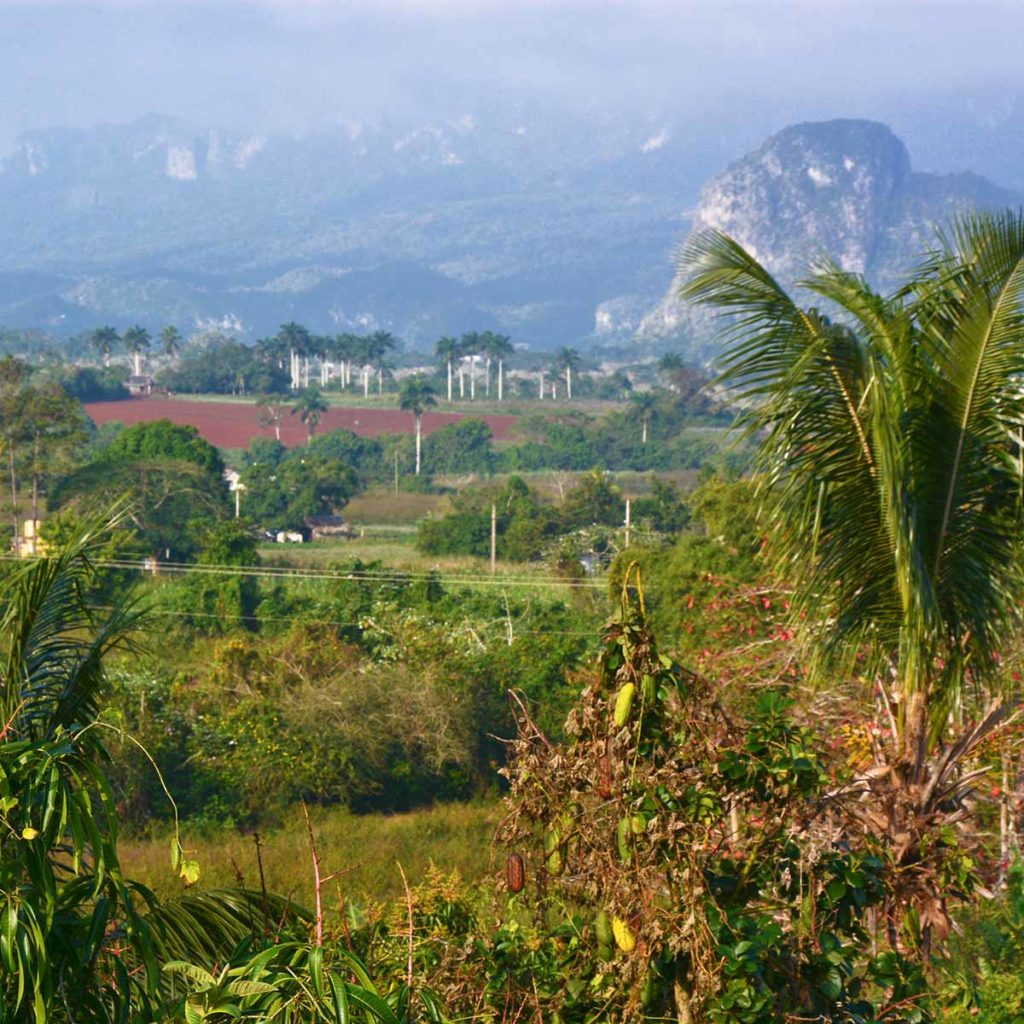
(844, 189)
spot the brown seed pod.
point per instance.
(515, 872)
(604, 783)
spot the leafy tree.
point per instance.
(310, 406)
(416, 396)
(13, 377)
(463, 447)
(162, 439)
(225, 368)
(594, 500)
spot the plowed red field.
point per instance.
(234, 425)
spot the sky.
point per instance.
(297, 65)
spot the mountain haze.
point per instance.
(550, 225)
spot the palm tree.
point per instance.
(497, 347)
(448, 350)
(310, 406)
(669, 365)
(891, 460)
(105, 340)
(170, 341)
(136, 341)
(568, 359)
(379, 344)
(644, 404)
(416, 396)
(470, 345)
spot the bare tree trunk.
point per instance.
(14, 493)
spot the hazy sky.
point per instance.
(297, 64)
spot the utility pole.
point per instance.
(627, 522)
(494, 538)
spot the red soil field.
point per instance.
(234, 425)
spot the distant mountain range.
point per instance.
(550, 228)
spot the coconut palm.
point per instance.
(380, 344)
(310, 406)
(170, 341)
(890, 457)
(448, 351)
(644, 404)
(136, 341)
(416, 396)
(568, 360)
(105, 340)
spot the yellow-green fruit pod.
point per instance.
(623, 705)
(650, 989)
(555, 863)
(603, 929)
(622, 836)
(624, 938)
(552, 840)
(638, 824)
(649, 689)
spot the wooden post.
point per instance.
(494, 538)
(627, 522)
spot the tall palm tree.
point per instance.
(379, 345)
(568, 359)
(471, 344)
(416, 396)
(310, 406)
(105, 340)
(644, 404)
(497, 347)
(891, 458)
(448, 350)
(669, 366)
(136, 341)
(170, 341)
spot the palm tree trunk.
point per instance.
(366, 382)
(418, 443)
(487, 379)
(449, 381)
(472, 379)
(645, 431)
(568, 382)
(462, 381)
(380, 380)
(137, 363)
(540, 389)
(501, 379)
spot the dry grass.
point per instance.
(380, 506)
(367, 848)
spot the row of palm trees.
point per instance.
(137, 341)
